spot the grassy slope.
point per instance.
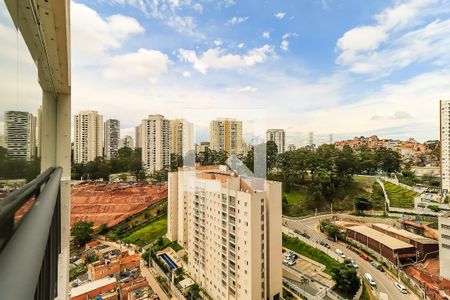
(400, 197)
(304, 249)
(295, 197)
(148, 233)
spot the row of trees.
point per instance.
(13, 168)
(127, 160)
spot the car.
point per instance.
(291, 263)
(352, 264)
(363, 256)
(296, 231)
(401, 288)
(370, 280)
(340, 253)
(331, 238)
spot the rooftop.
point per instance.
(382, 238)
(90, 286)
(406, 234)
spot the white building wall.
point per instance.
(87, 136)
(20, 134)
(155, 143)
(278, 136)
(444, 246)
(445, 143)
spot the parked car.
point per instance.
(363, 256)
(352, 264)
(296, 231)
(401, 288)
(340, 253)
(370, 280)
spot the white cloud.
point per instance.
(236, 20)
(168, 12)
(241, 45)
(266, 35)
(218, 42)
(217, 58)
(289, 35)
(146, 65)
(284, 45)
(187, 74)
(93, 35)
(392, 43)
(243, 89)
(279, 15)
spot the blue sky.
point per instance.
(332, 67)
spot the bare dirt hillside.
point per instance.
(111, 203)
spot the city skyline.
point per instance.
(250, 63)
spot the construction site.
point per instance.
(112, 203)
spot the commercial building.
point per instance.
(230, 227)
(112, 136)
(20, 134)
(278, 136)
(91, 290)
(425, 247)
(181, 137)
(87, 136)
(138, 136)
(226, 135)
(391, 248)
(444, 246)
(445, 144)
(126, 141)
(155, 143)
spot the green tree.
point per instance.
(82, 232)
(346, 279)
(194, 292)
(271, 154)
(362, 203)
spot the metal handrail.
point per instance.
(13, 202)
(29, 260)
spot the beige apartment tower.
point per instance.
(278, 136)
(231, 229)
(444, 126)
(138, 136)
(155, 133)
(181, 137)
(226, 135)
(87, 136)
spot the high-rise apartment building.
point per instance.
(226, 135)
(2, 141)
(20, 134)
(445, 144)
(444, 246)
(126, 141)
(138, 136)
(87, 136)
(231, 229)
(112, 136)
(155, 143)
(278, 136)
(181, 137)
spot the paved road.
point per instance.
(385, 283)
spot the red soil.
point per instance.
(111, 203)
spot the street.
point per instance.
(385, 283)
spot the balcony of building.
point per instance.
(34, 218)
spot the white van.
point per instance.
(370, 280)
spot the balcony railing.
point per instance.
(29, 248)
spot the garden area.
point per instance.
(148, 233)
(400, 197)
